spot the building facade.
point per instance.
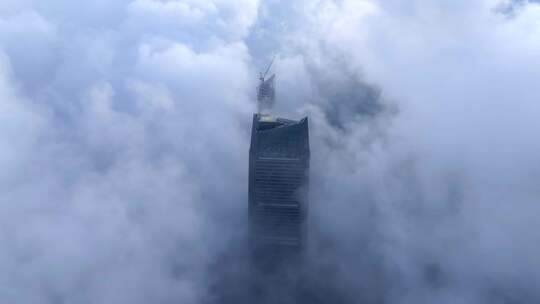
(278, 183)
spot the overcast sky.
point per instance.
(125, 128)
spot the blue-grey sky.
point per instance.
(125, 127)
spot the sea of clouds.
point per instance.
(124, 137)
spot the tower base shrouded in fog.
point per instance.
(278, 184)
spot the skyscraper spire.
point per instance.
(266, 93)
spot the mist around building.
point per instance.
(393, 158)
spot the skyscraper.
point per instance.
(278, 182)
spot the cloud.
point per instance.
(114, 132)
(421, 190)
(126, 129)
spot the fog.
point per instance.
(125, 132)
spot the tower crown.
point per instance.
(266, 92)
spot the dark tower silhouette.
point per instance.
(278, 180)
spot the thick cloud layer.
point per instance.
(125, 128)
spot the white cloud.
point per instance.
(126, 128)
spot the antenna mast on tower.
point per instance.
(265, 91)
